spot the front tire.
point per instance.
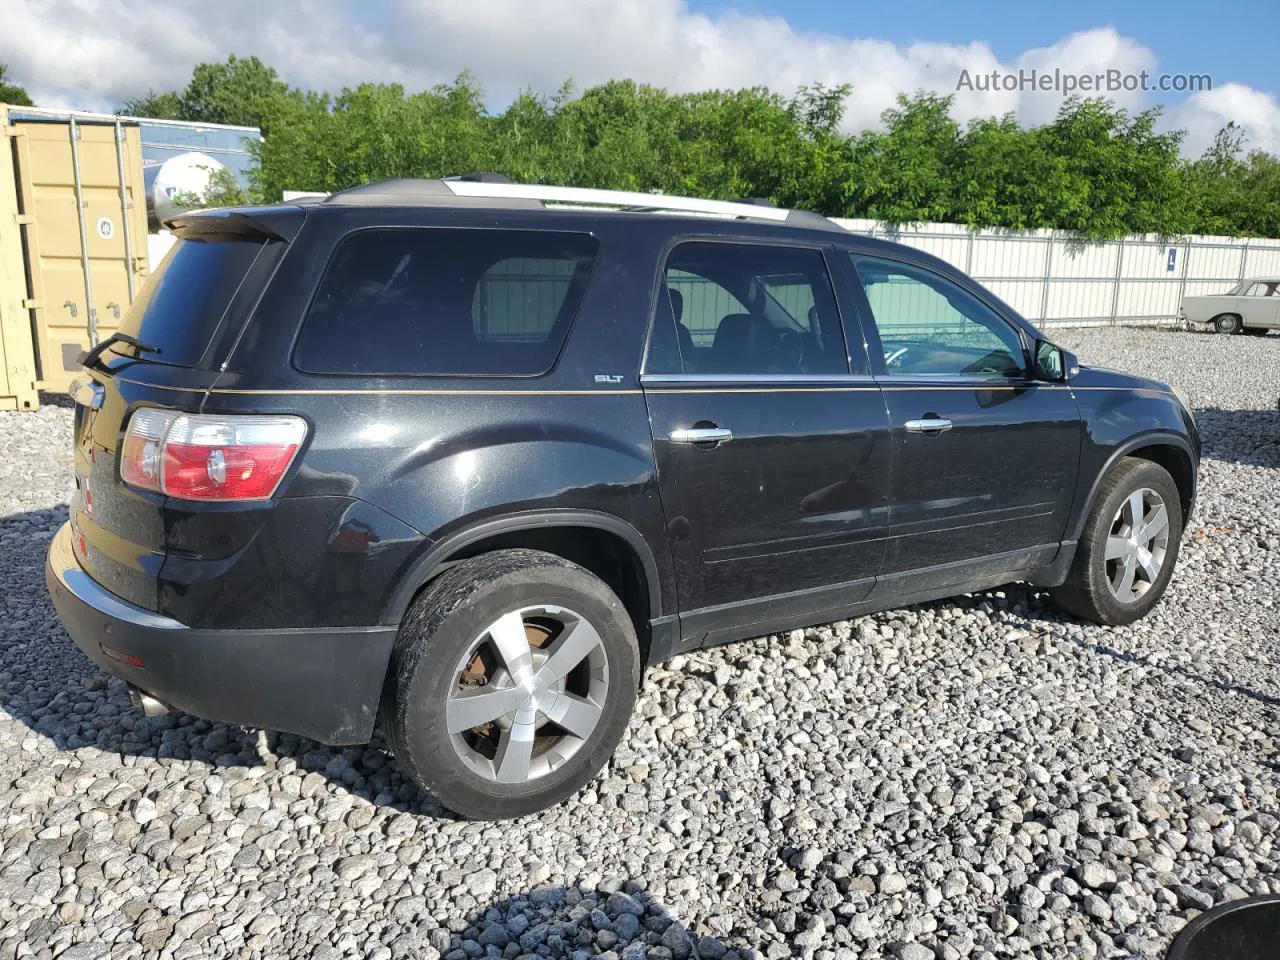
(512, 680)
(1127, 551)
(1228, 323)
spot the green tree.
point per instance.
(159, 106)
(1113, 174)
(1004, 178)
(241, 91)
(373, 132)
(1235, 193)
(1094, 170)
(530, 143)
(904, 175)
(742, 144)
(10, 92)
(222, 190)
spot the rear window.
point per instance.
(446, 302)
(180, 306)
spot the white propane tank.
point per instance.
(182, 178)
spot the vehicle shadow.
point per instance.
(1033, 605)
(1250, 437)
(50, 686)
(610, 917)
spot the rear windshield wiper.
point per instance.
(88, 358)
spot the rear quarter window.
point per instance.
(445, 302)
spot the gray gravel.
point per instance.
(974, 778)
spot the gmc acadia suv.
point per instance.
(461, 457)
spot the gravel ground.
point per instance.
(974, 778)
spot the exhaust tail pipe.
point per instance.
(148, 704)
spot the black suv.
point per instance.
(462, 457)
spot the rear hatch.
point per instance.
(179, 330)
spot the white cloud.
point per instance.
(1090, 53)
(96, 53)
(67, 51)
(1203, 114)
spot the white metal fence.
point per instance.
(1055, 279)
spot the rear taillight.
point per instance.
(209, 457)
(140, 453)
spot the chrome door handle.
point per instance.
(700, 435)
(929, 425)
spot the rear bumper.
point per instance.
(320, 683)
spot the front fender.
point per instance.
(1122, 415)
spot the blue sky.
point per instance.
(89, 54)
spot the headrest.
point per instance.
(677, 303)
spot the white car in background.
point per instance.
(1251, 306)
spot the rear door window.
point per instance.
(740, 309)
(181, 305)
(420, 302)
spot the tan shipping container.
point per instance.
(73, 244)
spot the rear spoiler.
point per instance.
(278, 224)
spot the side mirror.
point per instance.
(1055, 364)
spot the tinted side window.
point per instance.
(930, 326)
(701, 304)
(519, 299)
(180, 307)
(436, 301)
(746, 309)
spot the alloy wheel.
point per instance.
(528, 694)
(1137, 545)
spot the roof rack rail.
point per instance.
(480, 176)
(635, 201)
(395, 188)
(492, 189)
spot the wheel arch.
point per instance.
(1169, 450)
(602, 543)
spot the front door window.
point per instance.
(931, 327)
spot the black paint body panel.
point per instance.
(322, 683)
(800, 493)
(821, 506)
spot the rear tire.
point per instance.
(1129, 546)
(1227, 323)
(512, 680)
